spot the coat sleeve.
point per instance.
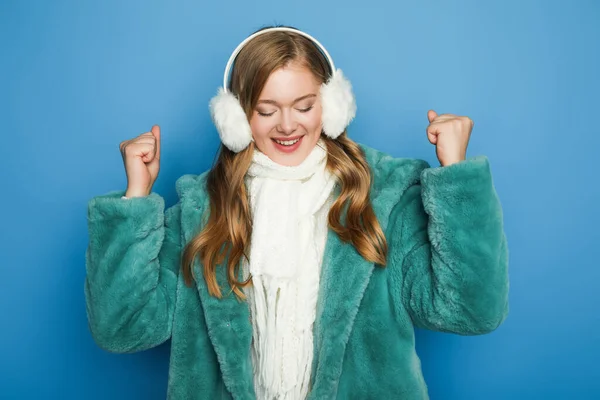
(448, 250)
(132, 264)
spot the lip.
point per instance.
(284, 139)
(288, 149)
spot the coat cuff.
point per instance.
(143, 213)
(462, 181)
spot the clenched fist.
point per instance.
(141, 156)
(450, 134)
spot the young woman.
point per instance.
(299, 264)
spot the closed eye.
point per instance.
(303, 110)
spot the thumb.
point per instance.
(156, 132)
(431, 115)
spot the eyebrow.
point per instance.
(295, 101)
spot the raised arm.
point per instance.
(449, 252)
(132, 265)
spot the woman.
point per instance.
(300, 263)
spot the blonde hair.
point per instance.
(228, 230)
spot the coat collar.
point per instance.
(345, 275)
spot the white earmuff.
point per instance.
(339, 105)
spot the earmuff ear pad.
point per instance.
(230, 120)
(339, 104)
(339, 109)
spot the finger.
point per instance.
(145, 140)
(147, 152)
(432, 138)
(125, 146)
(139, 149)
(439, 118)
(150, 139)
(431, 115)
(432, 133)
(122, 146)
(156, 132)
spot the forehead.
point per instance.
(290, 82)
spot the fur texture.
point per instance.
(230, 120)
(339, 104)
(447, 270)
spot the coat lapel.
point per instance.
(344, 277)
(230, 331)
(227, 319)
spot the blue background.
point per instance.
(77, 78)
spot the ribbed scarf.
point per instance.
(289, 229)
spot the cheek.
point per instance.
(260, 127)
(312, 121)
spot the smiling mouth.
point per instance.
(287, 142)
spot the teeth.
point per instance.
(287, 142)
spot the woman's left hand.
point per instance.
(450, 134)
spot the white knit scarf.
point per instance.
(289, 229)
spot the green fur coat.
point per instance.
(447, 271)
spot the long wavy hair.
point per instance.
(228, 229)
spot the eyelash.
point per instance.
(303, 110)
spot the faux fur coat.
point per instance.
(447, 271)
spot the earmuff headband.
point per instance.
(274, 29)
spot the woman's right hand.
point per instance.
(141, 156)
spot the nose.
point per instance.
(287, 123)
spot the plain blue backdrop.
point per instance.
(78, 77)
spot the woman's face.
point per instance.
(286, 122)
